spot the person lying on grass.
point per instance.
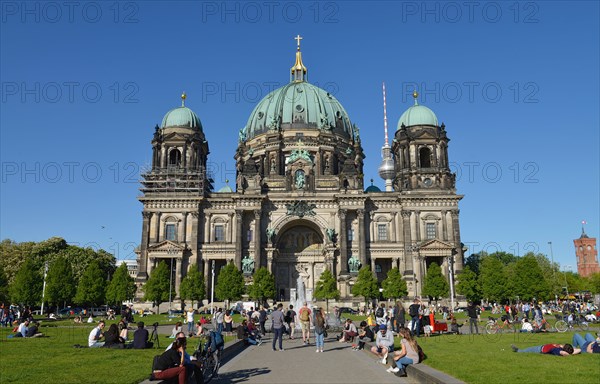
(550, 349)
(587, 344)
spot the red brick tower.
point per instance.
(587, 254)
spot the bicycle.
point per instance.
(492, 327)
(209, 360)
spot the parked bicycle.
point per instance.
(493, 326)
(209, 359)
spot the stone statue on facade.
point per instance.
(353, 264)
(330, 232)
(242, 135)
(270, 234)
(247, 265)
(300, 180)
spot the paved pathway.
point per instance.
(301, 364)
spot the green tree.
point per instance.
(435, 284)
(92, 286)
(122, 286)
(60, 284)
(365, 285)
(326, 288)
(26, 288)
(394, 286)
(80, 258)
(4, 298)
(263, 286)
(230, 283)
(474, 262)
(492, 279)
(594, 280)
(528, 279)
(468, 285)
(157, 287)
(192, 286)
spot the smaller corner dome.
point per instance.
(372, 188)
(417, 115)
(181, 117)
(225, 189)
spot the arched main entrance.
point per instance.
(299, 255)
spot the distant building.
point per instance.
(587, 255)
(132, 267)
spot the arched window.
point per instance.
(425, 157)
(174, 158)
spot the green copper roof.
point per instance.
(298, 105)
(225, 189)
(181, 117)
(417, 115)
(372, 188)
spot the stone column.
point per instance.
(257, 240)
(207, 277)
(184, 155)
(238, 238)
(444, 225)
(343, 241)
(182, 236)
(418, 226)
(394, 235)
(157, 227)
(207, 238)
(177, 262)
(194, 239)
(458, 262)
(373, 259)
(408, 268)
(163, 157)
(362, 237)
(143, 267)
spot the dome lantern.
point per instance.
(298, 71)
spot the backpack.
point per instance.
(305, 314)
(421, 353)
(379, 312)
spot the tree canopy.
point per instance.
(192, 286)
(263, 286)
(60, 283)
(122, 286)
(230, 283)
(366, 284)
(468, 285)
(157, 287)
(435, 284)
(326, 288)
(26, 288)
(92, 286)
(394, 286)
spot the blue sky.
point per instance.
(516, 83)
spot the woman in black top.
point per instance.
(111, 337)
(170, 364)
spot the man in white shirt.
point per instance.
(190, 320)
(23, 328)
(95, 335)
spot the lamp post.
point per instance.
(44, 287)
(212, 289)
(451, 273)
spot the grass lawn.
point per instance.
(489, 359)
(54, 360)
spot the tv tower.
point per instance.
(386, 169)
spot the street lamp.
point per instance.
(212, 289)
(44, 286)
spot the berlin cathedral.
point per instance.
(300, 205)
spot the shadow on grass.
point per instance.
(241, 375)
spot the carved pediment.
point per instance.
(166, 248)
(175, 136)
(435, 247)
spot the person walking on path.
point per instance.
(190, 320)
(290, 319)
(277, 326)
(305, 317)
(414, 312)
(472, 313)
(220, 317)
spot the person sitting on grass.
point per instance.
(587, 344)
(384, 343)
(22, 329)
(33, 330)
(409, 354)
(253, 331)
(243, 333)
(526, 327)
(550, 349)
(176, 329)
(95, 335)
(140, 337)
(112, 338)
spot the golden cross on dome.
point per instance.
(298, 38)
(183, 97)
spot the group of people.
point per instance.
(117, 336)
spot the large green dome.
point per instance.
(181, 117)
(417, 115)
(298, 105)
